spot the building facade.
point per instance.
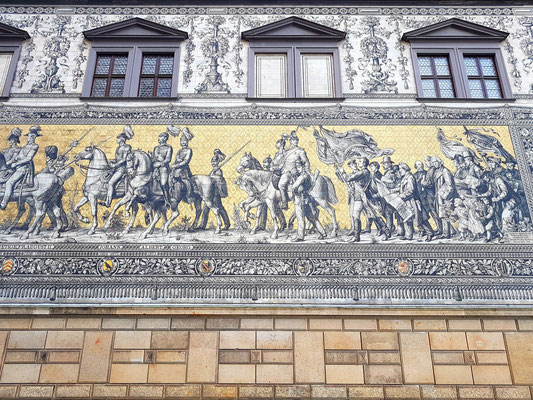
(265, 201)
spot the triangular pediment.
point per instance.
(455, 29)
(293, 28)
(10, 32)
(135, 28)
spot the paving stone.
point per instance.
(64, 357)
(129, 373)
(203, 357)
(234, 356)
(277, 357)
(26, 340)
(309, 357)
(416, 357)
(328, 392)
(256, 392)
(132, 339)
(73, 391)
(274, 340)
(342, 340)
(48, 323)
(8, 392)
(447, 341)
(394, 324)
(20, 356)
(84, 323)
(166, 373)
(379, 340)
(236, 373)
(59, 373)
(20, 373)
(170, 340)
(360, 324)
(344, 374)
(383, 357)
(257, 323)
(15, 323)
(153, 323)
(499, 324)
(525, 324)
(383, 374)
(128, 356)
(474, 393)
(325, 324)
(64, 340)
(118, 323)
(280, 373)
(402, 392)
(491, 357)
(187, 323)
(485, 341)
(44, 392)
(491, 374)
(294, 324)
(453, 374)
(237, 340)
(146, 391)
(466, 324)
(341, 357)
(431, 392)
(514, 393)
(109, 391)
(520, 352)
(365, 392)
(222, 323)
(95, 357)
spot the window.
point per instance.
(436, 76)
(458, 59)
(156, 75)
(109, 75)
(10, 44)
(294, 58)
(483, 80)
(134, 58)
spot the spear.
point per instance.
(230, 157)
(74, 144)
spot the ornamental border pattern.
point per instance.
(288, 274)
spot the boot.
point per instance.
(368, 228)
(357, 235)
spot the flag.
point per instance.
(336, 148)
(451, 148)
(485, 143)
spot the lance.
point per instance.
(74, 144)
(230, 157)
(102, 142)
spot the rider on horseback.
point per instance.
(162, 156)
(180, 169)
(119, 164)
(293, 156)
(13, 150)
(22, 164)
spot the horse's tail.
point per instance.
(332, 194)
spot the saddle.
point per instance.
(276, 177)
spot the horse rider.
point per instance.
(303, 202)
(119, 163)
(180, 169)
(23, 165)
(162, 157)
(13, 150)
(292, 157)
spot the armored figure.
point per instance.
(180, 169)
(13, 150)
(293, 156)
(162, 156)
(23, 165)
(119, 163)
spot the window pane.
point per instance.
(166, 65)
(163, 87)
(493, 89)
(121, 62)
(317, 75)
(102, 65)
(271, 75)
(441, 65)
(428, 88)
(149, 63)
(99, 86)
(117, 87)
(5, 61)
(471, 66)
(475, 88)
(424, 64)
(146, 88)
(487, 66)
(446, 88)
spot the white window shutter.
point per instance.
(271, 75)
(317, 75)
(5, 61)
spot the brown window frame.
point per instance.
(156, 75)
(435, 77)
(109, 76)
(482, 77)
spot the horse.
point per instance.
(94, 188)
(323, 190)
(40, 197)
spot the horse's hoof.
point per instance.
(54, 235)
(274, 235)
(126, 231)
(143, 235)
(91, 232)
(127, 214)
(252, 232)
(25, 236)
(165, 232)
(217, 231)
(107, 225)
(334, 233)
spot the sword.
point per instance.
(230, 157)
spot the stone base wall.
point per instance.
(284, 354)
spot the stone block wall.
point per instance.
(343, 355)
